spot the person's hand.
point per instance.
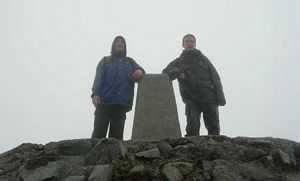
(137, 74)
(96, 100)
(181, 76)
(222, 103)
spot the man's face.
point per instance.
(189, 43)
(119, 45)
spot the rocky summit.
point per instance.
(203, 158)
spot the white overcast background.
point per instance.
(50, 49)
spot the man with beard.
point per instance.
(113, 90)
(200, 87)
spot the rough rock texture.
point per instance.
(204, 158)
(158, 119)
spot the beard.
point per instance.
(119, 53)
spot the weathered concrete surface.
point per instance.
(155, 112)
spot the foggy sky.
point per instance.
(50, 49)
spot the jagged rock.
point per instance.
(171, 173)
(223, 171)
(50, 171)
(292, 148)
(141, 173)
(101, 173)
(73, 165)
(189, 145)
(153, 153)
(139, 146)
(11, 160)
(200, 158)
(207, 167)
(4, 178)
(256, 142)
(105, 151)
(252, 154)
(256, 171)
(137, 169)
(234, 171)
(283, 158)
(39, 160)
(267, 161)
(184, 167)
(187, 152)
(197, 140)
(165, 149)
(297, 150)
(75, 178)
(178, 141)
(293, 177)
(23, 148)
(70, 147)
(11, 166)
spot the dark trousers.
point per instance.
(210, 116)
(113, 116)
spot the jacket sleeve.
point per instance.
(217, 84)
(172, 70)
(98, 79)
(136, 66)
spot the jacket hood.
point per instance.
(116, 53)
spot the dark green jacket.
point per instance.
(198, 79)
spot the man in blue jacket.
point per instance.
(113, 90)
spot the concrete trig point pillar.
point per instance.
(155, 111)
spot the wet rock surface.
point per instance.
(204, 158)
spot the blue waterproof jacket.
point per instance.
(113, 81)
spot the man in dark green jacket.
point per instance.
(200, 87)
